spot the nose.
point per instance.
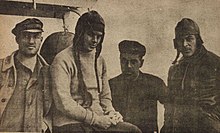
(95, 39)
(185, 43)
(31, 40)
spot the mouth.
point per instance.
(128, 73)
(31, 47)
(93, 46)
(187, 50)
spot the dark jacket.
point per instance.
(137, 100)
(194, 92)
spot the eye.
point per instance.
(134, 62)
(24, 35)
(99, 36)
(189, 39)
(37, 36)
(90, 34)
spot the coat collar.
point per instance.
(121, 76)
(193, 59)
(8, 62)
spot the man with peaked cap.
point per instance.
(25, 96)
(81, 92)
(194, 85)
(134, 93)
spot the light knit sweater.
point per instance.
(65, 88)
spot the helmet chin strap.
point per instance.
(177, 56)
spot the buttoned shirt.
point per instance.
(22, 94)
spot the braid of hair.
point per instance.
(87, 97)
(96, 72)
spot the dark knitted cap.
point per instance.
(132, 47)
(28, 25)
(186, 27)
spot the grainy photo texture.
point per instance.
(150, 66)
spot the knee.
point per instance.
(131, 128)
(135, 129)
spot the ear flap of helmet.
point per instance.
(175, 43)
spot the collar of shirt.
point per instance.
(8, 62)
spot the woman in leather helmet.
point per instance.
(80, 87)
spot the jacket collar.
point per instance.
(8, 62)
(138, 78)
(193, 59)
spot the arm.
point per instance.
(62, 71)
(105, 95)
(162, 91)
(106, 99)
(168, 105)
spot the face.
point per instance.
(186, 45)
(130, 65)
(91, 40)
(29, 43)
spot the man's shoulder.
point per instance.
(8, 61)
(116, 79)
(212, 57)
(173, 67)
(8, 57)
(150, 77)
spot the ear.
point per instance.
(142, 62)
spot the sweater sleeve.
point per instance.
(62, 70)
(105, 95)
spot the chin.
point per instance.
(187, 55)
(129, 77)
(30, 54)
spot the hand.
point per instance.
(115, 117)
(102, 121)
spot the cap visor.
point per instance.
(33, 30)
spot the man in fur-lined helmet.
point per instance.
(193, 82)
(81, 92)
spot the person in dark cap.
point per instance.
(135, 94)
(81, 92)
(193, 104)
(25, 95)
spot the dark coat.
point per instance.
(194, 94)
(137, 100)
